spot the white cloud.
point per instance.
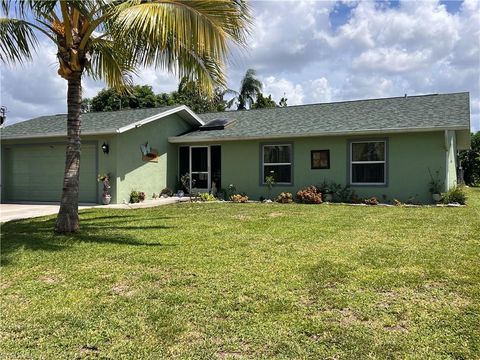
(414, 47)
(320, 90)
(282, 87)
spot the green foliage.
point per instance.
(470, 161)
(113, 99)
(191, 94)
(136, 196)
(284, 198)
(185, 181)
(249, 90)
(309, 195)
(345, 194)
(455, 195)
(264, 102)
(435, 186)
(270, 182)
(167, 192)
(206, 197)
(312, 282)
(328, 187)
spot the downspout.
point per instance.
(446, 160)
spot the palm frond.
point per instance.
(111, 62)
(189, 38)
(17, 41)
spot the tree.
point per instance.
(249, 89)
(139, 96)
(264, 102)
(109, 40)
(470, 161)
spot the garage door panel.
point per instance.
(35, 173)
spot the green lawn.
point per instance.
(218, 280)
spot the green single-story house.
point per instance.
(380, 147)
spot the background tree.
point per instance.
(139, 96)
(249, 89)
(109, 40)
(264, 102)
(470, 161)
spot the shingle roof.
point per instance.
(411, 113)
(92, 123)
(361, 116)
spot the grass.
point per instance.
(207, 281)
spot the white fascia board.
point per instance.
(192, 139)
(163, 114)
(59, 134)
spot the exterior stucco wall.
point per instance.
(409, 156)
(132, 173)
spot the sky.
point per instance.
(311, 51)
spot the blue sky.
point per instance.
(313, 51)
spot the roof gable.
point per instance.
(96, 123)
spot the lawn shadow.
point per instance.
(38, 235)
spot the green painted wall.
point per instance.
(409, 158)
(132, 173)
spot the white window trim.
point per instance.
(384, 162)
(276, 164)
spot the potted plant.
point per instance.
(105, 179)
(270, 182)
(435, 186)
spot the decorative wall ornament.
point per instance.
(149, 154)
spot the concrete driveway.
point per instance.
(35, 209)
(29, 210)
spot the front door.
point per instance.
(200, 168)
(202, 165)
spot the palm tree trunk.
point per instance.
(67, 219)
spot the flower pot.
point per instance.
(106, 199)
(327, 197)
(437, 197)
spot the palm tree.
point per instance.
(249, 90)
(109, 40)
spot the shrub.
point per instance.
(285, 198)
(239, 198)
(309, 195)
(455, 195)
(166, 192)
(206, 197)
(371, 201)
(329, 187)
(134, 197)
(345, 194)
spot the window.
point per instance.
(320, 159)
(368, 162)
(277, 161)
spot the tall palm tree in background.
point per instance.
(109, 40)
(249, 89)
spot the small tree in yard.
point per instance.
(109, 40)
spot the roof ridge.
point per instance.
(337, 102)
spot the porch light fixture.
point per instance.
(105, 148)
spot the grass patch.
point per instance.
(245, 281)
